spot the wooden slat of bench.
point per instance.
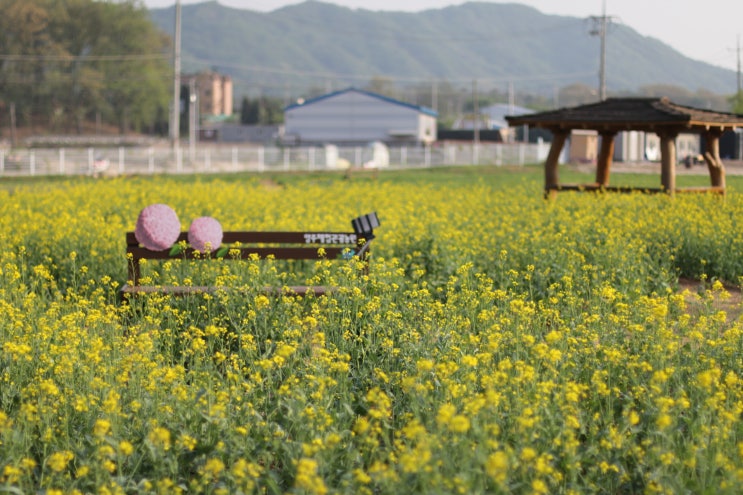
(182, 290)
(281, 253)
(278, 237)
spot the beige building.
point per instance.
(214, 92)
(583, 146)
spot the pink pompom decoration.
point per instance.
(158, 227)
(203, 231)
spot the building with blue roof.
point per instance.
(354, 116)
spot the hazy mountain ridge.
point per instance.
(316, 44)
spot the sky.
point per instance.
(710, 31)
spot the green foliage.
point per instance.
(261, 110)
(737, 103)
(67, 62)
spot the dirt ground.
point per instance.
(729, 300)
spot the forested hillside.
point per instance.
(325, 46)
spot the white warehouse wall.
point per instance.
(354, 116)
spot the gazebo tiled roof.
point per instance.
(616, 114)
(613, 115)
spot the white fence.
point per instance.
(220, 158)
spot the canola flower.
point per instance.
(497, 344)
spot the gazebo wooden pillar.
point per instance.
(551, 178)
(668, 161)
(712, 158)
(606, 155)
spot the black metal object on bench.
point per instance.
(279, 245)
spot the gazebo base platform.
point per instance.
(629, 189)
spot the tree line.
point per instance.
(66, 63)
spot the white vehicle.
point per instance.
(378, 154)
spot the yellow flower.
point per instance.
(539, 487)
(261, 302)
(361, 477)
(664, 421)
(12, 474)
(497, 466)
(213, 467)
(308, 479)
(111, 404)
(469, 361)
(708, 379)
(445, 414)
(58, 460)
(160, 437)
(187, 442)
(459, 424)
(5, 422)
(242, 469)
(101, 427)
(528, 454)
(633, 418)
(361, 426)
(126, 448)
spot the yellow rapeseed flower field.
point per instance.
(498, 343)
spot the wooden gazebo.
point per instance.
(611, 116)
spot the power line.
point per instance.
(377, 31)
(401, 34)
(83, 58)
(23, 80)
(392, 78)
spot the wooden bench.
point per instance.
(246, 245)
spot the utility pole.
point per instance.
(600, 25)
(12, 125)
(192, 121)
(476, 111)
(511, 105)
(555, 97)
(175, 117)
(740, 85)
